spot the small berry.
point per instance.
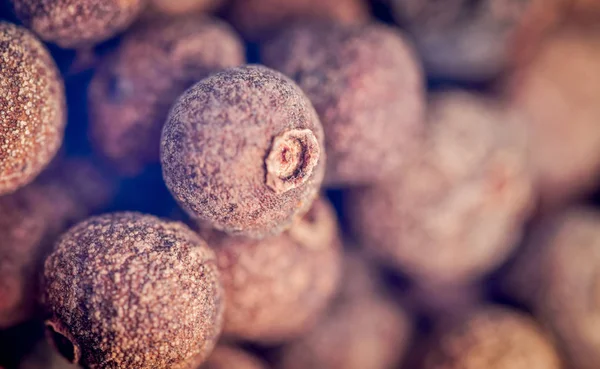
(459, 210)
(242, 150)
(276, 287)
(367, 88)
(128, 290)
(32, 107)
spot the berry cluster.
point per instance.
(296, 184)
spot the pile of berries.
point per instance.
(294, 184)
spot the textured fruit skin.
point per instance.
(127, 290)
(277, 287)
(494, 338)
(134, 88)
(32, 107)
(260, 19)
(557, 277)
(363, 328)
(368, 89)
(558, 97)
(217, 144)
(31, 219)
(230, 357)
(477, 41)
(77, 23)
(459, 211)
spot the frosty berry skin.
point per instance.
(32, 107)
(368, 90)
(77, 23)
(224, 357)
(243, 151)
(476, 41)
(557, 275)
(134, 88)
(129, 290)
(468, 194)
(557, 97)
(261, 19)
(31, 219)
(277, 287)
(494, 338)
